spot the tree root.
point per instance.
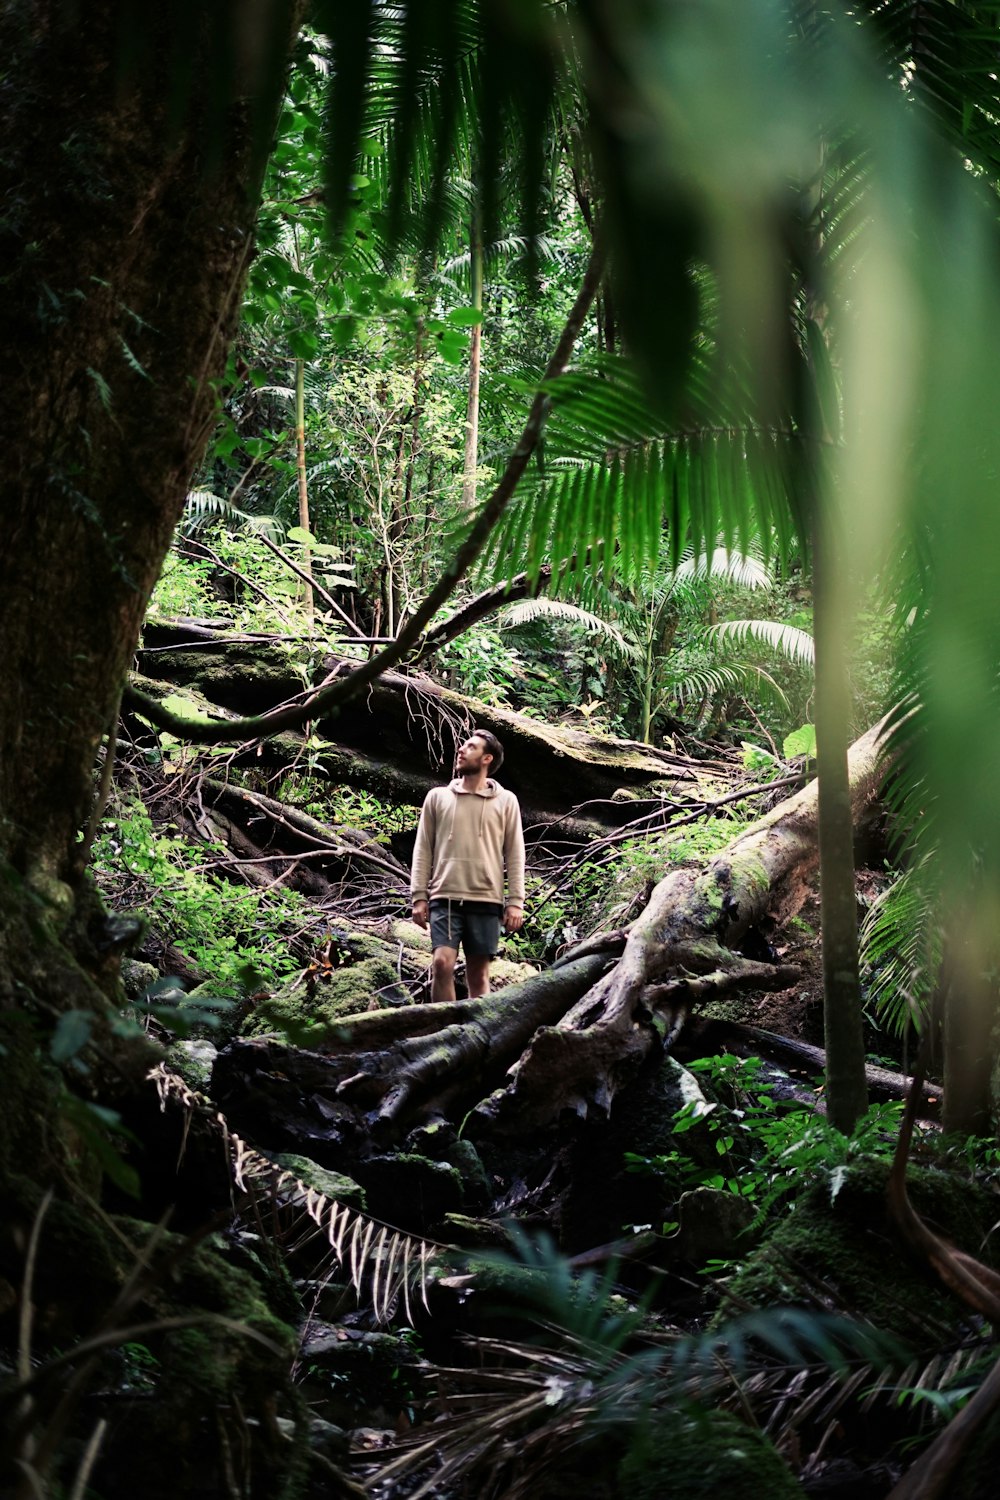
(978, 1286)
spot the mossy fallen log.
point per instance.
(400, 737)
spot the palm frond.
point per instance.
(535, 609)
(614, 480)
(383, 1264)
(705, 685)
(438, 82)
(203, 506)
(748, 572)
(788, 640)
(901, 951)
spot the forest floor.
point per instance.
(504, 1316)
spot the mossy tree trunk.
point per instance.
(129, 202)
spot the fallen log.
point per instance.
(388, 1068)
(750, 1041)
(695, 919)
(400, 737)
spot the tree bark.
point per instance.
(127, 236)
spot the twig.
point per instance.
(327, 598)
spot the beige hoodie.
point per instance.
(463, 842)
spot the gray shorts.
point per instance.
(474, 924)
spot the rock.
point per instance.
(333, 1185)
(193, 1060)
(440, 1142)
(713, 1226)
(350, 1372)
(411, 1192)
(137, 977)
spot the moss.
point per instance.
(137, 977)
(709, 1454)
(346, 992)
(332, 1185)
(845, 1244)
(439, 1142)
(193, 1061)
(210, 1364)
(351, 1372)
(412, 1191)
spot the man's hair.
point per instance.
(493, 747)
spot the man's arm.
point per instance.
(513, 853)
(423, 863)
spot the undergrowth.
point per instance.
(231, 935)
(759, 1147)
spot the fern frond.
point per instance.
(202, 506)
(794, 644)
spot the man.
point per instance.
(469, 830)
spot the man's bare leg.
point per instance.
(477, 975)
(443, 975)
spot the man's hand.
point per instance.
(513, 919)
(421, 913)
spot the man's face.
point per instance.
(472, 757)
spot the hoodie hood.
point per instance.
(457, 785)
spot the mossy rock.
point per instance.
(842, 1244)
(333, 1185)
(348, 1372)
(440, 1142)
(372, 984)
(192, 1060)
(411, 1191)
(701, 1456)
(137, 977)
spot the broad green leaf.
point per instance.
(73, 1031)
(465, 317)
(801, 741)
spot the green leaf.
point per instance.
(72, 1033)
(452, 346)
(303, 343)
(182, 706)
(801, 741)
(465, 317)
(343, 331)
(94, 1124)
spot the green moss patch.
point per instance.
(841, 1245)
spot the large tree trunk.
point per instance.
(573, 1037)
(125, 245)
